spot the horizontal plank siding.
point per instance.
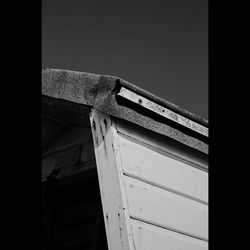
(161, 170)
(162, 144)
(148, 237)
(154, 191)
(166, 209)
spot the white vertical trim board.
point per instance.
(166, 209)
(150, 166)
(149, 237)
(112, 186)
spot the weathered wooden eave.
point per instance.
(126, 101)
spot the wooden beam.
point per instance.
(111, 182)
(162, 111)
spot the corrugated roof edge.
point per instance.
(100, 91)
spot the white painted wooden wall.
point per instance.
(153, 197)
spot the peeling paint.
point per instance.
(120, 228)
(94, 125)
(106, 124)
(101, 132)
(115, 215)
(96, 140)
(104, 143)
(113, 147)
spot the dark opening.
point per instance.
(72, 216)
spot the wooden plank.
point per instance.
(112, 186)
(148, 237)
(166, 209)
(162, 111)
(161, 170)
(163, 144)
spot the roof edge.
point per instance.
(102, 93)
(163, 102)
(146, 94)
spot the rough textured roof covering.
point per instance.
(100, 92)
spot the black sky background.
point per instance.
(161, 46)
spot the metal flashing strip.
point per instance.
(162, 111)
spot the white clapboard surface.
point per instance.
(154, 191)
(162, 143)
(149, 237)
(162, 170)
(166, 209)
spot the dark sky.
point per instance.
(161, 46)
